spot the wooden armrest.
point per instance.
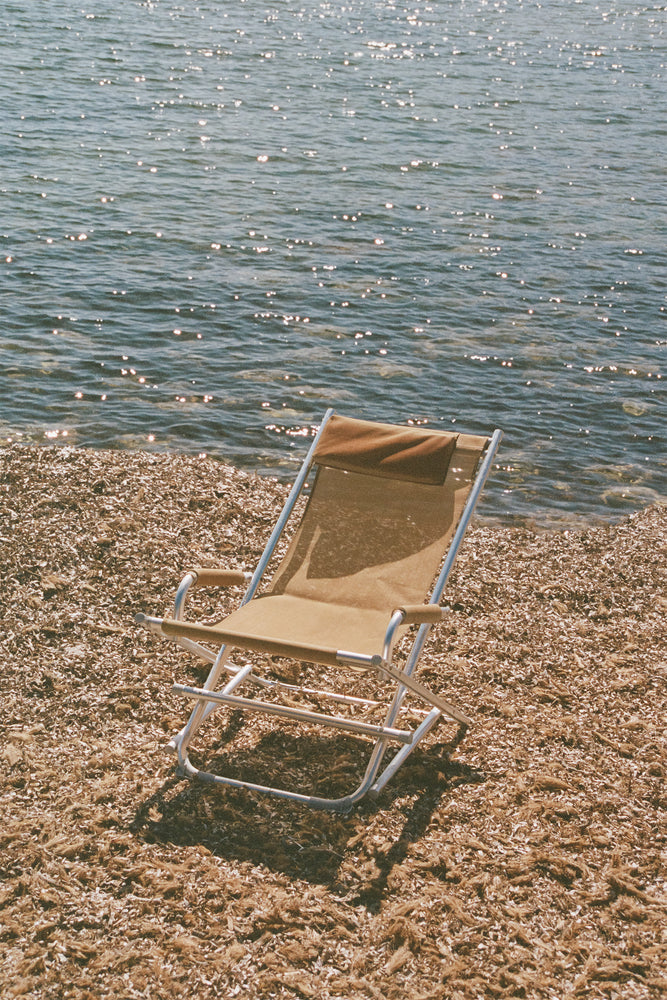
(420, 614)
(209, 577)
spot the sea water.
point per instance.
(220, 218)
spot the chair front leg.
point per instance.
(202, 710)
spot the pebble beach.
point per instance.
(524, 860)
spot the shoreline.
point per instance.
(545, 519)
(526, 861)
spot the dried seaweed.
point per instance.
(528, 861)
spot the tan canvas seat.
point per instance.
(386, 511)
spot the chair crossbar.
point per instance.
(341, 699)
(297, 714)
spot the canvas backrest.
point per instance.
(383, 507)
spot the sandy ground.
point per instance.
(526, 861)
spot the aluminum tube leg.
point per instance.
(202, 710)
(181, 746)
(405, 752)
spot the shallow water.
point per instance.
(217, 220)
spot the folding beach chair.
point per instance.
(387, 509)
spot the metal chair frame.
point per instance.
(208, 698)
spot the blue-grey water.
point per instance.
(219, 218)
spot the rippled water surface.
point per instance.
(218, 219)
